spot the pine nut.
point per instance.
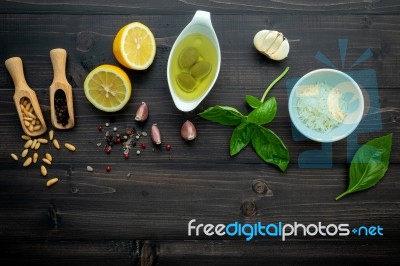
(28, 143)
(27, 162)
(33, 143)
(49, 157)
(25, 102)
(27, 123)
(51, 182)
(43, 141)
(15, 157)
(70, 147)
(31, 129)
(37, 146)
(56, 144)
(28, 118)
(46, 161)
(35, 157)
(25, 137)
(28, 105)
(31, 115)
(37, 127)
(43, 170)
(24, 153)
(51, 135)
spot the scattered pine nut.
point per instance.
(27, 162)
(89, 168)
(51, 182)
(48, 157)
(25, 137)
(35, 157)
(56, 144)
(43, 170)
(51, 135)
(33, 143)
(46, 161)
(28, 144)
(70, 147)
(15, 157)
(42, 140)
(24, 153)
(37, 146)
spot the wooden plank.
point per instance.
(219, 7)
(122, 252)
(159, 203)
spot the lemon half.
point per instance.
(108, 88)
(134, 46)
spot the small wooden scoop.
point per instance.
(58, 59)
(25, 100)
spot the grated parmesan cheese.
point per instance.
(321, 107)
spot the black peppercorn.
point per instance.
(60, 105)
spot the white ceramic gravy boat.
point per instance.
(201, 23)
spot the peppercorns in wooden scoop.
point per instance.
(25, 100)
(61, 104)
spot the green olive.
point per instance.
(186, 81)
(188, 57)
(200, 69)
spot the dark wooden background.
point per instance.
(104, 218)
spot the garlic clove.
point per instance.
(268, 42)
(259, 38)
(272, 44)
(188, 131)
(275, 44)
(282, 51)
(155, 134)
(142, 112)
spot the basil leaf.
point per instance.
(263, 114)
(241, 137)
(270, 148)
(223, 115)
(253, 101)
(369, 164)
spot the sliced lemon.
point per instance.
(134, 46)
(108, 88)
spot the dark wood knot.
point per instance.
(248, 208)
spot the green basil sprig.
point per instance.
(266, 143)
(369, 164)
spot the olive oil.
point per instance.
(193, 66)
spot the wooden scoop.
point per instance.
(58, 59)
(25, 100)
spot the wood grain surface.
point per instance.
(104, 218)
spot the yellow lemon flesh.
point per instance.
(108, 88)
(134, 46)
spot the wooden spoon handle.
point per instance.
(15, 68)
(58, 58)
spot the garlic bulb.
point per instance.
(272, 44)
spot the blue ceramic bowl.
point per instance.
(350, 93)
